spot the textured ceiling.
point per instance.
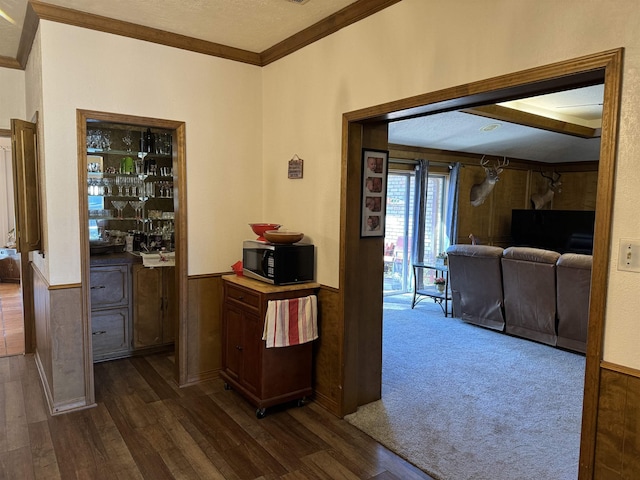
(253, 25)
(468, 133)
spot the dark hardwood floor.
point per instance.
(145, 427)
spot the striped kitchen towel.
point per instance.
(291, 322)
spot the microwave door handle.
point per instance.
(265, 262)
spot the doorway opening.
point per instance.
(12, 341)
(131, 172)
(363, 128)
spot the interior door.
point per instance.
(27, 213)
(27, 186)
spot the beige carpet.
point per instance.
(462, 402)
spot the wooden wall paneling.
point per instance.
(579, 191)
(617, 452)
(327, 351)
(509, 193)
(631, 465)
(204, 317)
(472, 220)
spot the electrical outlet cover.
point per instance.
(629, 255)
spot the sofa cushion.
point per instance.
(475, 278)
(529, 276)
(573, 273)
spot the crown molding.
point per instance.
(37, 11)
(342, 18)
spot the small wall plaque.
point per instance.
(295, 167)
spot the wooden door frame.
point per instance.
(589, 70)
(180, 204)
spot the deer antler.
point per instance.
(483, 162)
(502, 163)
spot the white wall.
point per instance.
(12, 96)
(420, 46)
(219, 100)
(237, 156)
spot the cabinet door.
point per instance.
(170, 307)
(251, 365)
(147, 306)
(110, 333)
(109, 286)
(232, 342)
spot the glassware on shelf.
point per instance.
(107, 182)
(119, 205)
(127, 140)
(166, 189)
(137, 205)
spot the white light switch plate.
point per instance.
(629, 257)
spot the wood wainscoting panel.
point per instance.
(204, 336)
(617, 453)
(60, 344)
(327, 352)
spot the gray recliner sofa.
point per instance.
(529, 282)
(475, 279)
(573, 273)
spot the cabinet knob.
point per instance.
(238, 347)
(97, 287)
(99, 332)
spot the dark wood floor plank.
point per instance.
(247, 458)
(144, 427)
(145, 455)
(34, 399)
(117, 455)
(16, 464)
(202, 467)
(43, 455)
(324, 464)
(16, 431)
(159, 385)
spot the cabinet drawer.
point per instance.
(109, 286)
(244, 296)
(110, 332)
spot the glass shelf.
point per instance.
(93, 151)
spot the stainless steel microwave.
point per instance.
(278, 264)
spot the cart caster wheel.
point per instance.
(227, 386)
(302, 402)
(260, 413)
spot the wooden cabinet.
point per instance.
(264, 376)
(9, 265)
(154, 311)
(110, 311)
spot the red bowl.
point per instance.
(260, 228)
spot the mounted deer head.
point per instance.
(480, 191)
(539, 200)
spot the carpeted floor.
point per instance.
(462, 402)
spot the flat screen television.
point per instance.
(564, 231)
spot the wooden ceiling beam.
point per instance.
(511, 115)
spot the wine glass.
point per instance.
(127, 140)
(137, 205)
(119, 205)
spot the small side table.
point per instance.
(441, 298)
